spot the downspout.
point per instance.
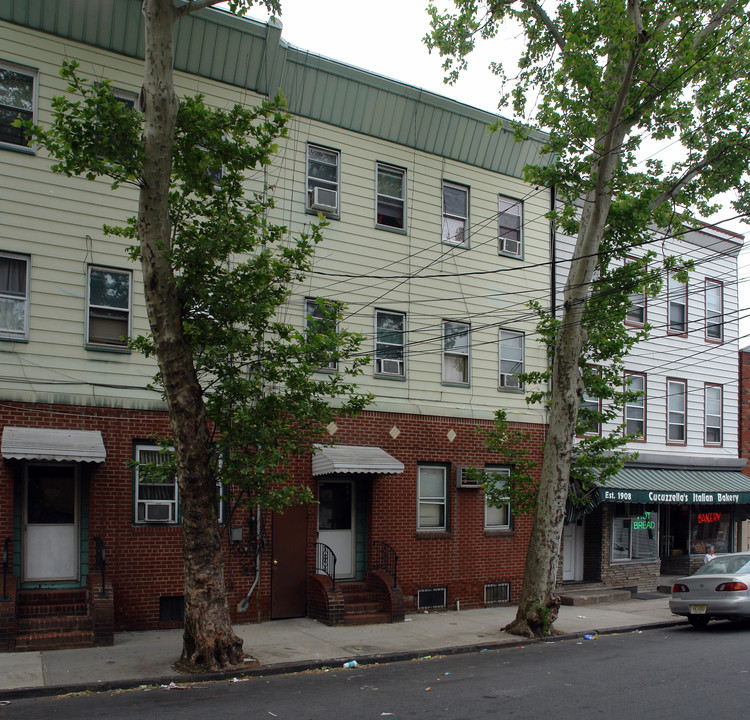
(242, 605)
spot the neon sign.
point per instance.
(708, 517)
(644, 522)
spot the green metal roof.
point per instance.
(643, 485)
(250, 54)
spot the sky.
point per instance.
(385, 37)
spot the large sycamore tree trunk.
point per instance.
(539, 605)
(209, 641)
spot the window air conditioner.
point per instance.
(158, 512)
(391, 367)
(464, 481)
(509, 381)
(324, 199)
(510, 246)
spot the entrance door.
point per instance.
(289, 563)
(336, 523)
(50, 523)
(573, 552)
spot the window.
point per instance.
(677, 306)
(510, 221)
(636, 313)
(676, 411)
(455, 353)
(497, 518)
(14, 296)
(635, 410)
(710, 525)
(155, 501)
(16, 99)
(323, 167)
(455, 214)
(511, 359)
(391, 197)
(389, 343)
(590, 404)
(108, 307)
(714, 310)
(635, 537)
(713, 403)
(318, 321)
(432, 497)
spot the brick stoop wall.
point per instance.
(8, 616)
(390, 598)
(324, 602)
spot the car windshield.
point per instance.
(726, 564)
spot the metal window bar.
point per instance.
(326, 561)
(100, 564)
(6, 563)
(385, 558)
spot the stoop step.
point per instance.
(594, 597)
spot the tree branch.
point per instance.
(545, 19)
(715, 21)
(195, 5)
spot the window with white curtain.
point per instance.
(14, 296)
(455, 353)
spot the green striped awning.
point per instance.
(682, 487)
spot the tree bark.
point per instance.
(209, 641)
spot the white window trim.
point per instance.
(433, 500)
(33, 73)
(711, 320)
(311, 305)
(89, 307)
(22, 335)
(509, 381)
(173, 504)
(706, 422)
(310, 182)
(380, 361)
(392, 198)
(677, 412)
(504, 472)
(457, 353)
(511, 207)
(464, 241)
(640, 403)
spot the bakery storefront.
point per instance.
(650, 522)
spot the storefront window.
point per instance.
(710, 525)
(635, 536)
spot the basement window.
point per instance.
(429, 598)
(497, 593)
(171, 608)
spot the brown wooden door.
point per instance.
(289, 564)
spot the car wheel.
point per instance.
(698, 621)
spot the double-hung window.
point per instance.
(676, 411)
(109, 302)
(590, 411)
(510, 223)
(155, 496)
(677, 306)
(432, 497)
(319, 318)
(511, 355)
(455, 353)
(636, 312)
(714, 310)
(713, 405)
(391, 197)
(635, 409)
(497, 518)
(390, 328)
(14, 296)
(455, 214)
(17, 99)
(323, 179)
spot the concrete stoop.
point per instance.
(594, 597)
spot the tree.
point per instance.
(602, 77)
(241, 386)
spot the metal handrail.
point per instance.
(6, 563)
(100, 564)
(385, 558)
(325, 561)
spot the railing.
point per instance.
(326, 561)
(6, 564)
(384, 557)
(100, 564)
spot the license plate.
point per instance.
(698, 609)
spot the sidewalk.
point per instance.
(139, 658)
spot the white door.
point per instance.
(336, 523)
(50, 523)
(573, 552)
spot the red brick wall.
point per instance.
(145, 562)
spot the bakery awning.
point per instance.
(348, 459)
(681, 487)
(20, 443)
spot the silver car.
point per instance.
(717, 590)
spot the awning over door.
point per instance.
(348, 459)
(682, 487)
(21, 443)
